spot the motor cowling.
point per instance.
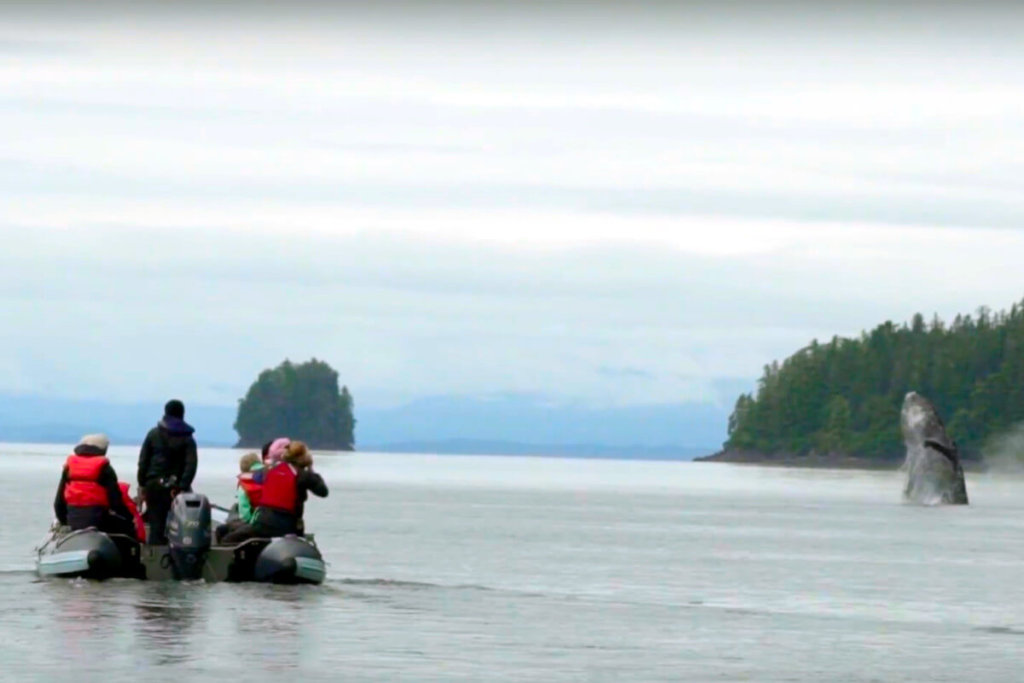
(188, 534)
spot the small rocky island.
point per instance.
(299, 401)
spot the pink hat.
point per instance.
(277, 449)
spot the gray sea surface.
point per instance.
(446, 568)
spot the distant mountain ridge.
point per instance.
(536, 421)
(513, 424)
(37, 419)
(581, 450)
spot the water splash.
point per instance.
(1004, 452)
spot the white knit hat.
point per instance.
(99, 441)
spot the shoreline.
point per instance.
(831, 461)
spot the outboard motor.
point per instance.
(188, 535)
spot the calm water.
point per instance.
(492, 569)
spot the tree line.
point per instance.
(844, 396)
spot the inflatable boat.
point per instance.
(90, 554)
(189, 554)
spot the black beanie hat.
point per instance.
(175, 408)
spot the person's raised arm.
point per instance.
(313, 482)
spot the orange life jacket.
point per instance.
(280, 489)
(83, 488)
(140, 527)
(253, 489)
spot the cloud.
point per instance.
(201, 312)
(473, 203)
(624, 372)
(19, 47)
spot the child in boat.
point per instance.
(247, 495)
(250, 485)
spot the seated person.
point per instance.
(140, 527)
(250, 486)
(274, 451)
(88, 494)
(282, 500)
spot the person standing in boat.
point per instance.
(88, 494)
(286, 486)
(167, 466)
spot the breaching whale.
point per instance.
(934, 473)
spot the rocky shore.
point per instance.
(817, 460)
(832, 461)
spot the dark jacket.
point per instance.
(108, 480)
(273, 522)
(307, 481)
(168, 455)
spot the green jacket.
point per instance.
(245, 509)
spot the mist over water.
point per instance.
(511, 569)
(1004, 452)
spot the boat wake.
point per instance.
(14, 570)
(397, 584)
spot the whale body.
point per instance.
(934, 473)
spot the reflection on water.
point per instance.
(124, 624)
(165, 614)
(98, 624)
(291, 620)
(270, 623)
(85, 621)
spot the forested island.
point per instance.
(841, 399)
(298, 401)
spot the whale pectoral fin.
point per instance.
(950, 453)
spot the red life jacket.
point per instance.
(280, 490)
(253, 489)
(140, 527)
(83, 489)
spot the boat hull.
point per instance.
(92, 554)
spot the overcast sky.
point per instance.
(613, 204)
